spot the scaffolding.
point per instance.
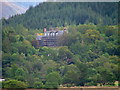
(49, 41)
(48, 38)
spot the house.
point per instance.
(49, 38)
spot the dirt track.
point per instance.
(82, 88)
(75, 88)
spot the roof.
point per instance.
(50, 33)
(53, 33)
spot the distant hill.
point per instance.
(52, 14)
(9, 9)
(27, 4)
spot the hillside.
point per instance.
(88, 54)
(9, 9)
(51, 14)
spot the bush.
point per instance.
(91, 84)
(38, 85)
(14, 84)
(51, 85)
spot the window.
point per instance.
(45, 34)
(53, 34)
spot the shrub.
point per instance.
(14, 84)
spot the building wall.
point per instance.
(49, 39)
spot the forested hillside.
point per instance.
(58, 14)
(88, 55)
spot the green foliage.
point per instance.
(92, 35)
(53, 80)
(72, 75)
(88, 57)
(14, 84)
(48, 53)
(38, 85)
(51, 85)
(65, 53)
(52, 14)
(89, 53)
(53, 77)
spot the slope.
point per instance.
(10, 8)
(52, 14)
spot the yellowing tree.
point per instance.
(92, 35)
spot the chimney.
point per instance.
(44, 30)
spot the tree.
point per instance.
(105, 70)
(53, 80)
(65, 53)
(110, 30)
(80, 50)
(88, 54)
(92, 35)
(48, 53)
(83, 69)
(20, 74)
(71, 75)
(10, 71)
(69, 38)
